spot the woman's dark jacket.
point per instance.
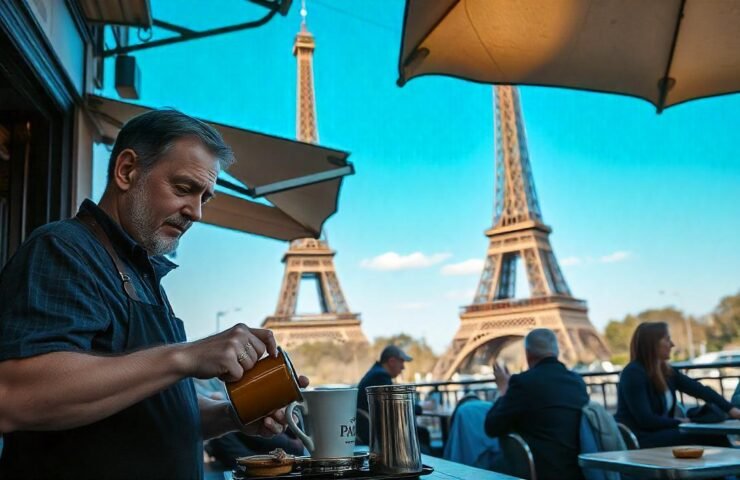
(643, 409)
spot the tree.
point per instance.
(619, 333)
(333, 363)
(724, 327)
(330, 362)
(424, 358)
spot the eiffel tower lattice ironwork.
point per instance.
(496, 317)
(309, 258)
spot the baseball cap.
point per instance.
(392, 351)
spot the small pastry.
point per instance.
(276, 463)
(688, 452)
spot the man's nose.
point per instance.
(193, 210)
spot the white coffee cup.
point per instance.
(329, 420)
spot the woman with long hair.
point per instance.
(646, 395)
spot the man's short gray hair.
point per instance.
(541, 342)
(152, 134)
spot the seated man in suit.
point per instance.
(543, 405)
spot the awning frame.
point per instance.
(184, 34)
(289, 184)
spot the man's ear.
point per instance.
(125, 170)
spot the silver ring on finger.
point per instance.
(242, 356)
(249, 345)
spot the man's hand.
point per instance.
(228, 354)
(219, 417)
(273, 424)
(502, 375)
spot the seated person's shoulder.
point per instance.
(632, 369)
(522, 380)
(379, 376)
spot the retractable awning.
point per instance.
(135, 13)
(300, 180)
(666, 52)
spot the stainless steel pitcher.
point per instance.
(394, 442)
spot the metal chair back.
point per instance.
(628, 436)
(519, 458)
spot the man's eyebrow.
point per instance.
(195, 184)
(191, 182)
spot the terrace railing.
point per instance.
(443, 396)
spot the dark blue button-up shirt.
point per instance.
(61, 292)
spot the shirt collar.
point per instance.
(123, 242)
(546, 360)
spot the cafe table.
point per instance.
(728, 427)
(659, 463)
(446, 470)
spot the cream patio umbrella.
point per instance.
(300, 180)
(664, 51)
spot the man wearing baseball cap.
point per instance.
(391, 364)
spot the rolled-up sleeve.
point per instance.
(49, 300)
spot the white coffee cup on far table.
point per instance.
(329, 419)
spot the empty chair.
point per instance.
(599, 433)
(467, 441)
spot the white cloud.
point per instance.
(468, 267)
(614, 257)
(570, 261)
(393, 261)
(414, 305)
(618, 256)
(463, 295)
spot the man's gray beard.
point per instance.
(144, 225)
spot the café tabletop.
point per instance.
(445, 470)
(728, 427)
(659, 463)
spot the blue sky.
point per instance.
(644, 207)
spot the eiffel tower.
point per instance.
(496, 317)
(309, 258)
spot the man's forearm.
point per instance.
(64, 390)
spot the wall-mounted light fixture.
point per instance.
(128, 77)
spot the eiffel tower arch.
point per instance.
(310, 258)
(519, 235)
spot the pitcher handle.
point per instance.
(307, 441)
